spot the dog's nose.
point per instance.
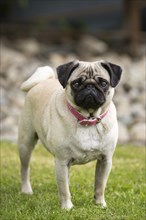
(90, 86)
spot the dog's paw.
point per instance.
(67, 205)
(26, 192)
(102, 204)
(26, 189)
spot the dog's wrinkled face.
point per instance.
(89, 84)
(89, 88)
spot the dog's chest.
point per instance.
(87, 138)
(87, 145)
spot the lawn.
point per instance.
(125, 192)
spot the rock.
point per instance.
(138, 133)
(123, 107)
(29, 46)
(7, 123)
(3, 99)
(56, 59)
(89, 45)
(135, 75)
(134, 95)
(123, 134)
(10, 135)
(137, 112)
(11, 57)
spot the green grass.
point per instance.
(125, 192)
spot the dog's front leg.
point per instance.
(103, 168)
(62, 178)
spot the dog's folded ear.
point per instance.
(64, 71)
(114, 71)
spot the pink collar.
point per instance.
(86, 121)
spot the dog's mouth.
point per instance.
(90, 99)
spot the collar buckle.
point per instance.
(98, 120)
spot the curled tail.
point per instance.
(41, 74)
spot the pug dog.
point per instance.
(75, 119)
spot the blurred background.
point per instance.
(51, 32)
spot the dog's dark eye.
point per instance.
(76, 84)
(103, 84)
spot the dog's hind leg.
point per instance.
(26, 143)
